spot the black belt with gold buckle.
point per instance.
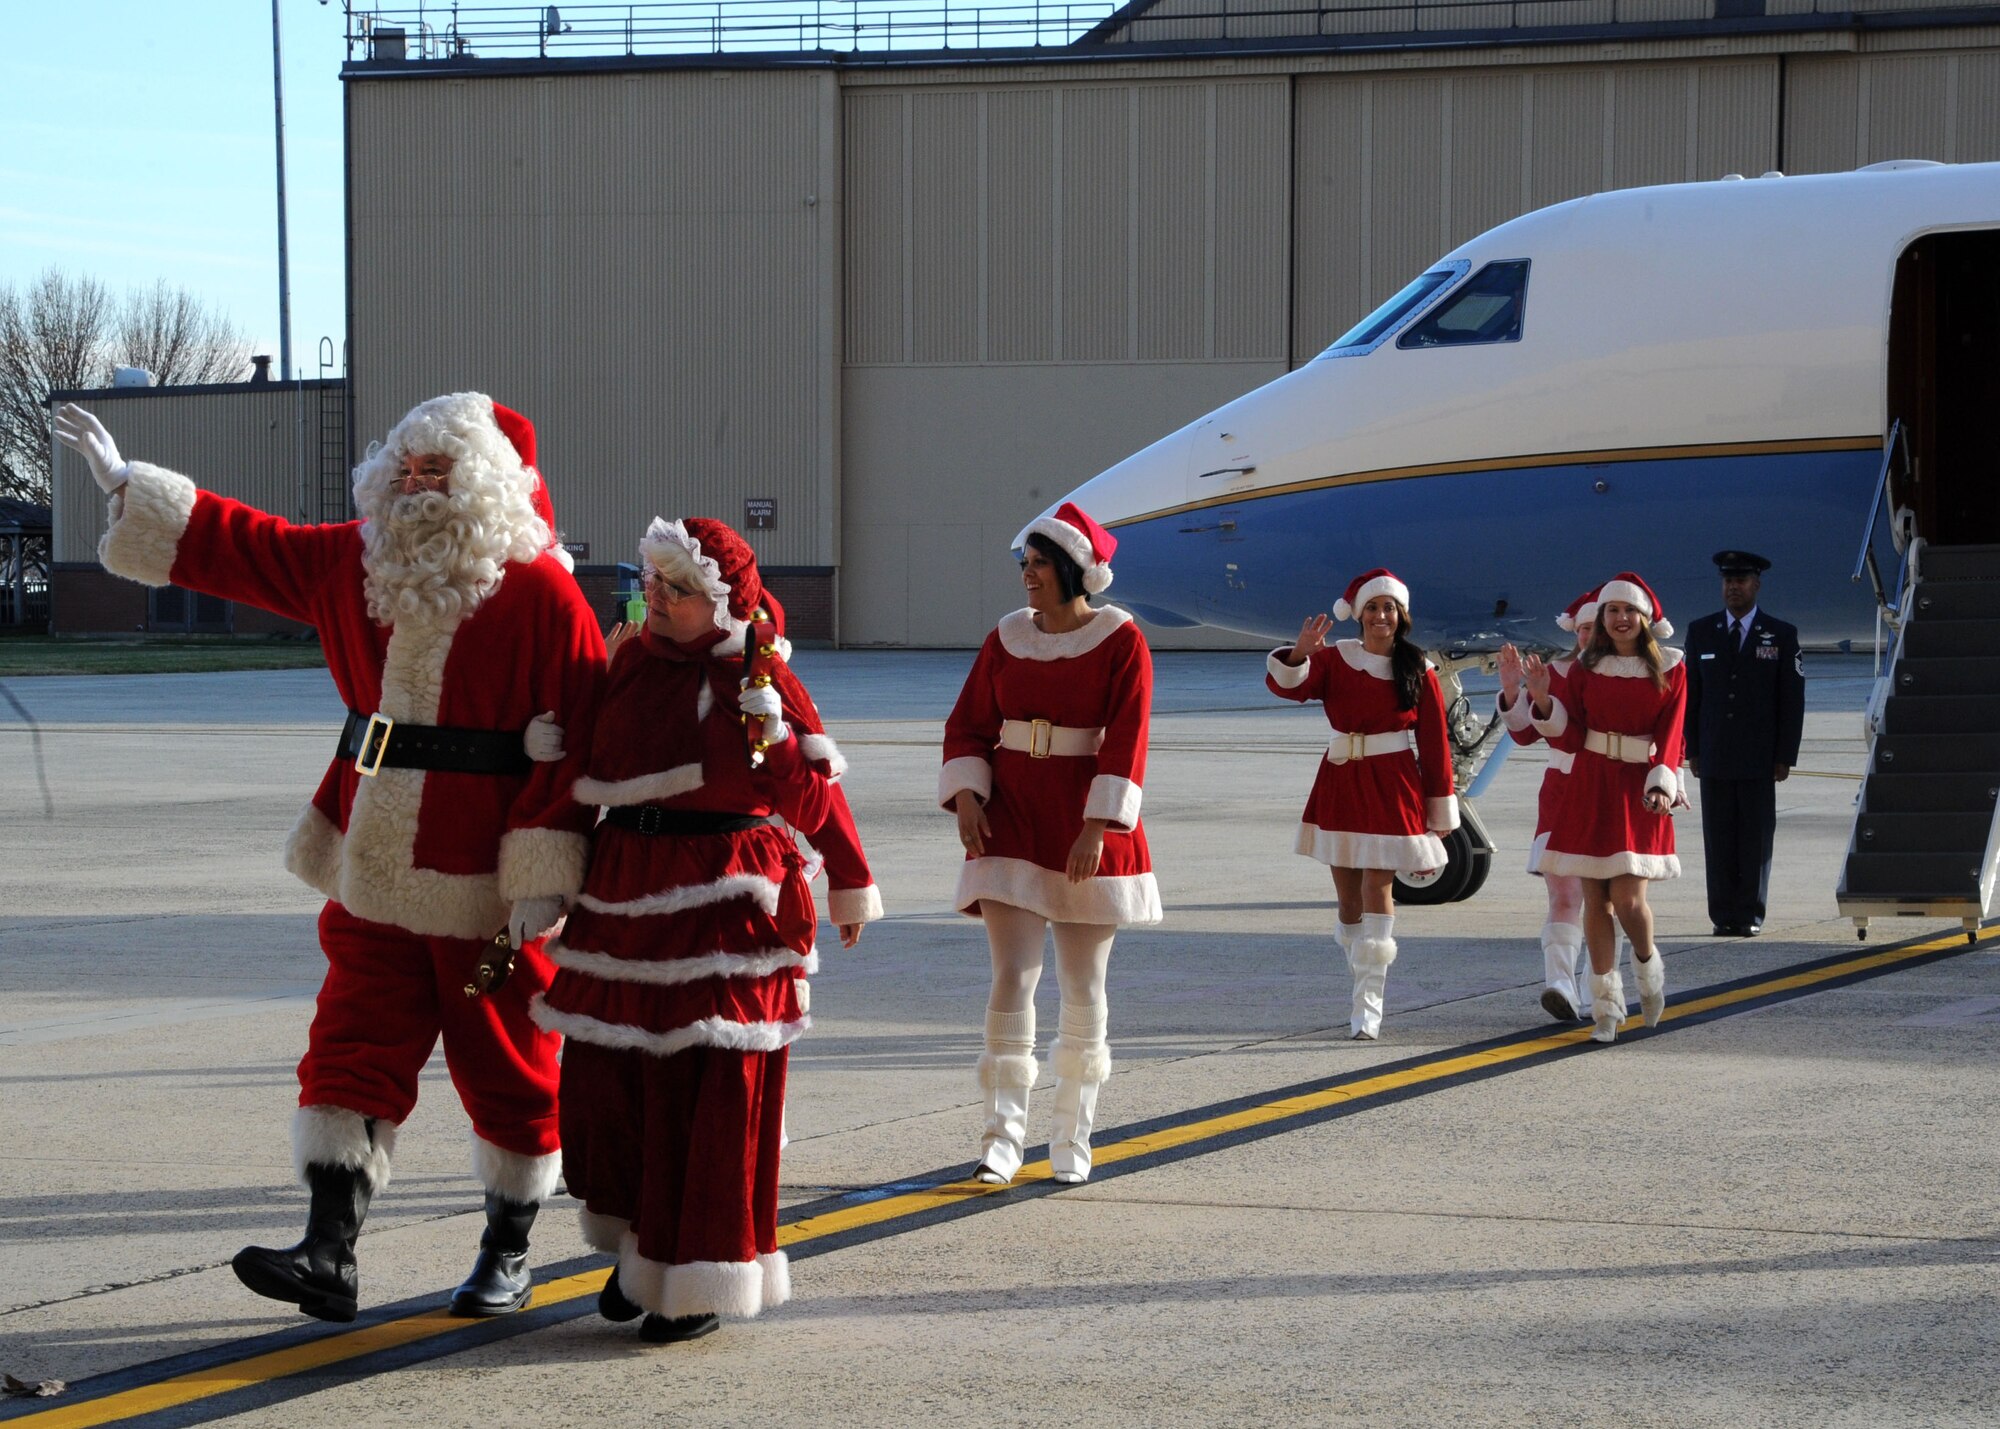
(376, 742)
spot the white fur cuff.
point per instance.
(335, 1136)
(542, 863)
(1665, 780)
(1288, 677)
(1372, 952)
(853, 905)
(1555, 724)
(820, 749)
(1517, 716)
(1114, 800)
(1007, 1070)
(968, 771)
(513, 1175)
(1074, 1062)
(1441, 813)
(147, 525)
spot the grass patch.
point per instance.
(46, 655)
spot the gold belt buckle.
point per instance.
(1357, 746)
(1041, 738)
(1614, 747)
(364, 766)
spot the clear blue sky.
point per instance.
(136, 143)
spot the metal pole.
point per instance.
(284, 260)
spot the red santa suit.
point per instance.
(1625, 735)
(682, 972)
(420, 866)
(1386, 780)
(1050, 730)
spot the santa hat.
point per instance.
(1633, 591)
(1581, 611)
(1365, 587)
(1078, 537)
(520, 433)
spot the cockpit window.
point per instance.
(1487, 308)
(1379, 325)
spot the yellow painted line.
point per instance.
(334, 1349)
(1512, 463)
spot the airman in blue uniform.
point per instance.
(1745, 713)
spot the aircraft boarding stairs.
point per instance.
(1927, 823)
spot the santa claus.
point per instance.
(449, 624)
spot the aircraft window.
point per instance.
(1375, 329)
(1487, 309)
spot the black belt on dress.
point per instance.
(652, 819)
(375, 742)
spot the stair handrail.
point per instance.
(1898, 441)
(1989, 867)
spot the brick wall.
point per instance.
(86, 599)
(806, 592)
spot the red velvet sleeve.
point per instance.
(1434, 757)
(801, 792)
(973, 730)
(1118, 787)
(546, 844)
(1298, 682)
(242, 554)
(1667, 735)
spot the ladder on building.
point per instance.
(1926, 839)
(335, 484)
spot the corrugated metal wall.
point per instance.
(1845, 111)
(1393, 171)
(634, 261)
(257, 446)
(1136, 222)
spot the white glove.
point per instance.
(543, 738)
(532, 917)
(762, 702)
(77, 429)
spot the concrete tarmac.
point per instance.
(1786, 1215)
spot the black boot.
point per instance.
(318, 1274)
(659, 1330)
(612, 1303)
(500, 1282)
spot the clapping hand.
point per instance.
(1535, 675)
(1510, 674)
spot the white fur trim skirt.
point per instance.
(1338, 848)
(1119, 901)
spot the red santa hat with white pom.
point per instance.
(520, 433)
(1078, 537)
(1365, 587)
(1635, 592)
(1581, 611)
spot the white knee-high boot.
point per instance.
(1583, 997)
(1006, 1073)
(1651, 975)
(1368, 960)
(1607, 995)
(1561, 942)
(1345, 933)
(1082, 1061)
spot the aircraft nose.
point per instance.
(1148, 481)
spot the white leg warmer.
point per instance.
(1368, 959)
(1082, 1060)
(1607, 993)
(1651, 975)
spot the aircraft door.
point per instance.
(1944, 383)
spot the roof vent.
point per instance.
(131, 377)
(1890, 166)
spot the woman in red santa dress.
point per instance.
(681, 974)
(1044, 763)
(1383, 794)
(1565, 981)
(1619, 712)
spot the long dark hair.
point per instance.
(1069, 575)
(1406, 663)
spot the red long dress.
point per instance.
(1519, 722)
(1602, 828)
(1376, 811)
(1097, 677)
(681, 979)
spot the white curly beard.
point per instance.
(435, 555)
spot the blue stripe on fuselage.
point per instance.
(1532, 537)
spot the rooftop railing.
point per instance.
(446, 31)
